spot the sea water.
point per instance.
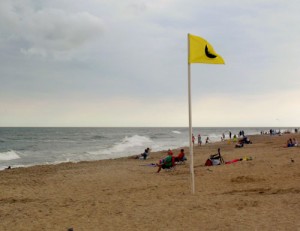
(21, 147)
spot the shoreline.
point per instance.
(94, 147)
(151, 153)
(128, 194)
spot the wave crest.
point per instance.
(9, 155)
(129, 144)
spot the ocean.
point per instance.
(23, 147)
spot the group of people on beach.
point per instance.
(241, 142)
(166, 163)
(271, 132)
(200, 140)
(230, 136)
(277, 132)
(170, 161)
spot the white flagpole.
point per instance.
(190, 123)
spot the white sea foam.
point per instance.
(57, 145)
(9, 155)
(133, 144)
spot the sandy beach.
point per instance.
(128, 194)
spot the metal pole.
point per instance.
(190, 123)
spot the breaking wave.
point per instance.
(128, 145)
(9, 155)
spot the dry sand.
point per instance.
(125, 194)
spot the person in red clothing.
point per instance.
(193, 139)
(180, 157)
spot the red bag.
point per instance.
(208, 162)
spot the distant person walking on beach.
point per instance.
(199, 140)
(229, 134)
(207, 140)
(223, 137)
(193, 139)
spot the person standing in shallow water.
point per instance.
(223, 137)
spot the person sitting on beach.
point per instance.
(181, 156)
(215, 159)
(245, 140)
(295, 142)
(146, 153)
(240, 144)
(143, 155)
(167, 162)
(290, 143)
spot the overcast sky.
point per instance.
(124, 63)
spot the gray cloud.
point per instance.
(63, 52)
(47, 31)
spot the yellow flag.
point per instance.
(202, 52)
